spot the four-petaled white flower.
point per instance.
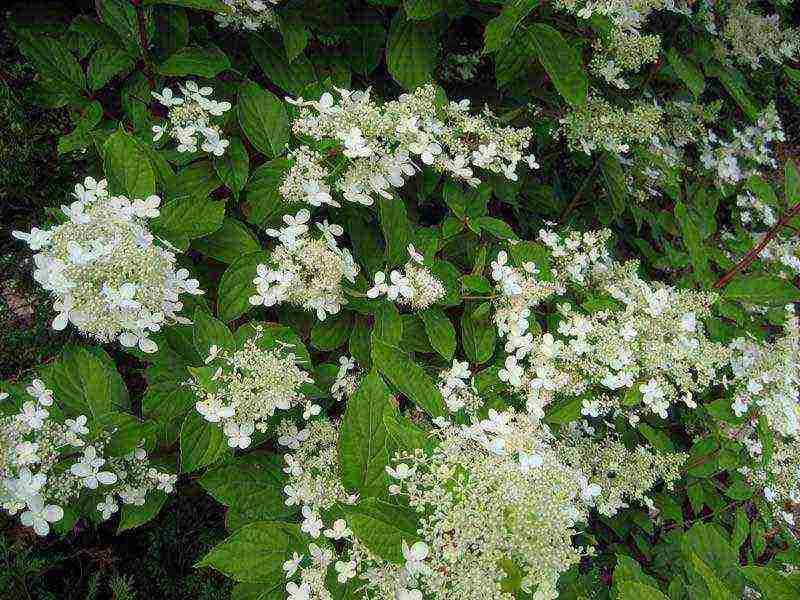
(88, 469)
(239, 434)
(39, 516)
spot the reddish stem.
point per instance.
(751, 256)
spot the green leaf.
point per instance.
(202, 443)
(614, 181)
(85, 382)
(388, 325)
(499, 31)
(256, 553)
(792, 182)
(333, 332)
(499, 229)
(295, 36)
(252, 486)
(233, 166)
(440, 331)
(364, 46)
(561, 61)
(53, 61)
(119, 15)
(408, 377)
(296, 76)
(127, 167)
(773, 584)
(263, 199)
(229, 243)
(715, 586)
(172, 31)
(208, 332)
(383, 527)
(411, 51)
(205, 62)
(133, 516)
(107, 63)
(736, 84)
(263, 119)
(633, 590)
(423, 9)
(210, 5)
(396, 229)
(191, 217)
(761, 288)
(363, 440)
(478, 336)
(687, 71)
(236, 286)
(196, 180)
(709, 543)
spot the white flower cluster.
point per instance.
(752, 37)
(347, 379)
(779, 479)
(305, 271)
(498, 497)
(767, 376)
(415, 286)
(249, 15)
(242, 389)
(191, 116)
(41, 470)
(305, 179)
(738, 159)
(577, 259)
(108, 276)
(645, 341)
(458, 389)
(384, 144)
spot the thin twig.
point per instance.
(143, 43)
(751, 256)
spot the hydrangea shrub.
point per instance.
(443, 300)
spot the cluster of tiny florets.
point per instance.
(458, 389)
(303, 270)
(305, 180)
(105, 270)
(599, 125)
(249, 15)
(622, 52)
(767, 377)
(347, 380)
(383, 145)
(752, 38)
(46, 464)
(190, 116)
(416, 286)
(241, 390)
(748, 150)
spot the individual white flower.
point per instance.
(27, 453)
(39, 516)
(291, 565)
(345, 570)
(88, 469)
(38, 390)
(415, 556)
(312, 524)
(239, 435)
(338, 530)
(27, 484)
(107, 507)
(33, 415)
(36, 239)
(167, 98)
(298, 592)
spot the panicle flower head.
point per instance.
(190, 119)
(242, 389)
(47, 463)
(386, 144)
(305, 271)
(752, 37)
(249, 15)
(106, 272)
